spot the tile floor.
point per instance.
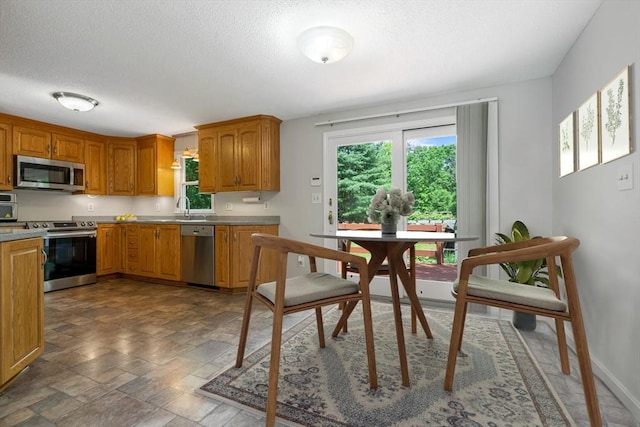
(128, 353)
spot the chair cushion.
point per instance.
(502, 290)
(309, 287)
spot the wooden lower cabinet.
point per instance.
(21, 306)
(159, 251)
(109, 249)
(234, 253)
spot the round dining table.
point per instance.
(392, 248)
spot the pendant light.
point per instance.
(186, 154)
(175, 164)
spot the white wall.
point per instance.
(588, 205)
(525, 156)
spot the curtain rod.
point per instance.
(397, 113)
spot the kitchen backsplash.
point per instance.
(37, 205)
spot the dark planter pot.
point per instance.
(389, 227)
(524, 321)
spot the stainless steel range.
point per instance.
(70, 248)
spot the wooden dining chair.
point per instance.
(470, 288)
(313, 290)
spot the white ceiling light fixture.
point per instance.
(325, 45)
(74, 101)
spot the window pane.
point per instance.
(362, 169)
(198, 201)
(190, 170)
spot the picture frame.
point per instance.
(588, 133)
(566, 145)
(615, 139)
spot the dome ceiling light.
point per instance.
(74, 101)
(325, 45)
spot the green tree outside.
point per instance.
(431, 176)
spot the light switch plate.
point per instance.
(316, 198)
(625, 177)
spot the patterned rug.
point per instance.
(497, 383)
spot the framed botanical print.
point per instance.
(588, 134)
(614, 117)
(566, 146)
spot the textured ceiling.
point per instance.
(163, 66)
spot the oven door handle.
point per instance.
(61, 234)
(45, 258)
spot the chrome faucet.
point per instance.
(187, 212)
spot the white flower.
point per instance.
(388, 207)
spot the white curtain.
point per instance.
(475, 203)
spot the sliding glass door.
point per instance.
(420, 160)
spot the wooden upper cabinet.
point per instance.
(31, 142)
(95, 165)
(240, 155)
(42, 143)
(67, 148)
(6, 161)
(154, 176)
(207, 152)
(121, 166)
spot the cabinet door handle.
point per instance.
(235, 237)
(48, 148)
(9, 178)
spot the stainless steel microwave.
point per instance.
(8, 207)
(47, 174)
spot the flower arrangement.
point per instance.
(387, 208)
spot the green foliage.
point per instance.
(196, 199)
(431, 177)
(532, 272)
(362, 169)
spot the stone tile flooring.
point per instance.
(128, 353)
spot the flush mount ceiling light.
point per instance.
(325, 44)
(75, 102)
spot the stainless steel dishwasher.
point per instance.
(198, 254)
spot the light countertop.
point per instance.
(7, 235)
(196, 219)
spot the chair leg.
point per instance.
(246, 317)
(455, 342)
(464, 319)
(320, 326)
(368, 337)
(274, 367)
(562, 347)
(586, 373)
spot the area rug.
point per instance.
(497, 382)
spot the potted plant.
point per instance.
(533, 272)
